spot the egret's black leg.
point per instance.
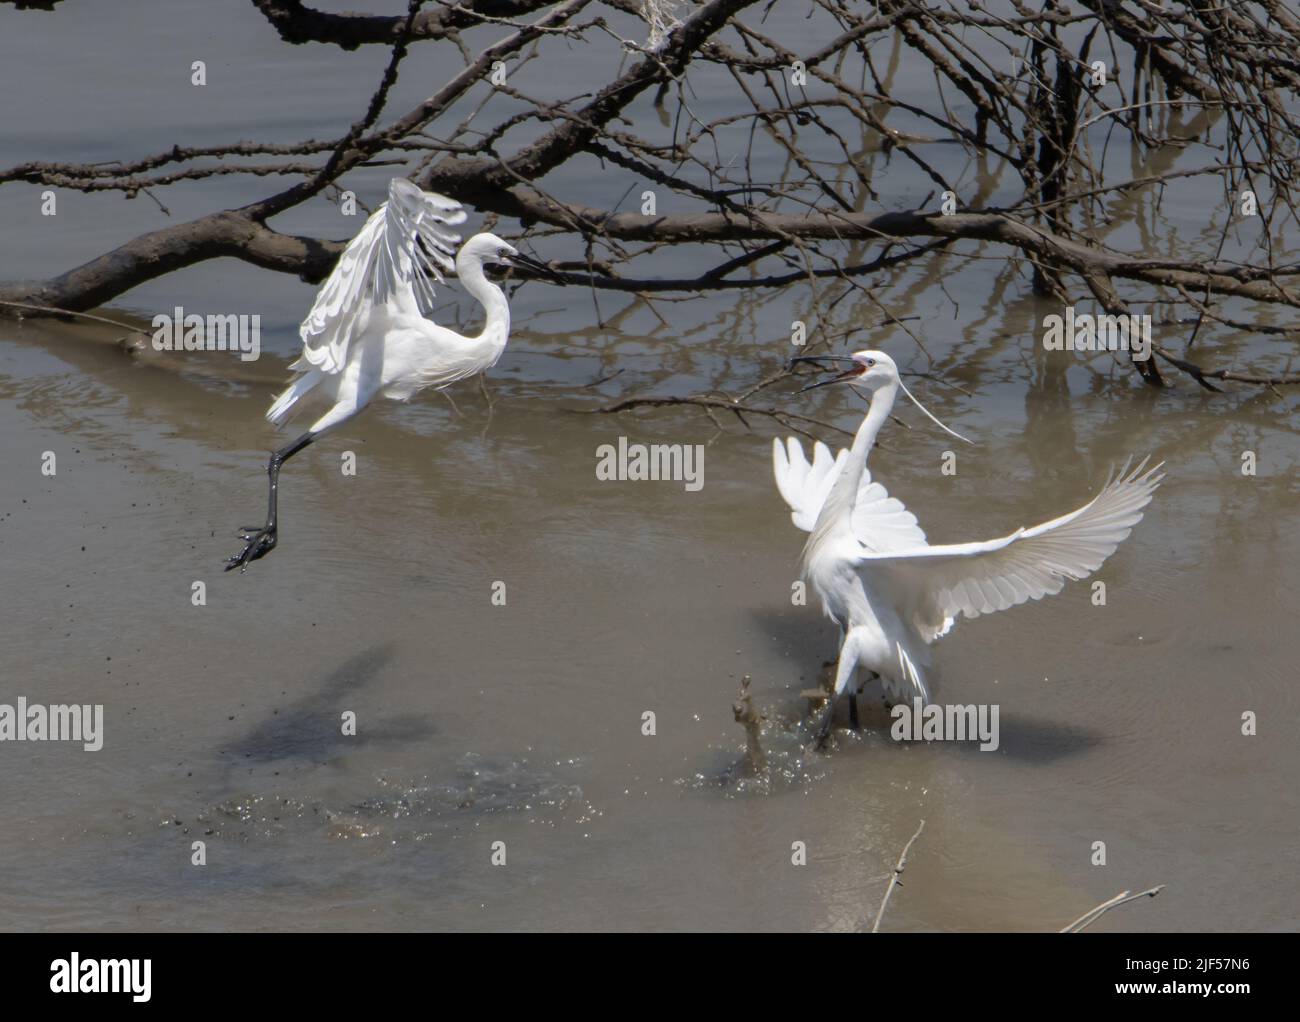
(824, 729)
(853, 697)
(260, 542)
(845, 667)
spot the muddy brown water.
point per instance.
(521, 723)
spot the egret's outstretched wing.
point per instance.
(880, 521)
(394, 255)
(804, 485)
(931, 585)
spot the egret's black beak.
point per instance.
(534, 266)
(825, 362)
(819, 359)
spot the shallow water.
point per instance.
(522, 723)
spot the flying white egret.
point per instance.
(890, 592)
(367, 334)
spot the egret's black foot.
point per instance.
(258, 542)
(853, 711)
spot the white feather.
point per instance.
(880, 521)
(406, 241)
(931, 585)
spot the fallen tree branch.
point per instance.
(1229, 81)
(297, 24)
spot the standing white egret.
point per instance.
(367, 334)
(890, 592)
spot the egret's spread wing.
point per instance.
(880, 521)
(931, 585)
(393, 257)
(804, 485)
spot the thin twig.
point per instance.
(1123, 898)
(80, 315)
(893, 880)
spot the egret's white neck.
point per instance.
(838, 510)
(496, 324)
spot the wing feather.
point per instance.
(395, 256)
(880, 521)
(931, 585)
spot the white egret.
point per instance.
(367, 334)
(890, 592)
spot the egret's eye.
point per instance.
(871, 361)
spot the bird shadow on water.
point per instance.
(269, 787)
(309, 729)
(1038, 741)
(1025, 739)
(799, 635)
